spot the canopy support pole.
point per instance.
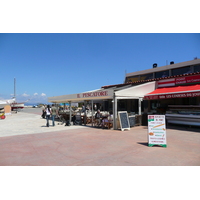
(84, 118)
(92, 114)
(139, 105)
(70, 113)
(114, 112)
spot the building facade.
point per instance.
(176, 94)
(173, 69)
(173, 90)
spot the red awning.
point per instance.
(174, 92)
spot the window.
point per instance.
(197, 68)
(132, 79)
(162, 74)
(183, 70)
(146, 76)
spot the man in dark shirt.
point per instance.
(54, 113)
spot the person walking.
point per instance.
(54, 113)
(48, 114)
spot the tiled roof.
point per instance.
(145, 81)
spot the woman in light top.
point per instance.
(48, 114)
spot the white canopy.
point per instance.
(135, 92)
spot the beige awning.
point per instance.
(80, 97)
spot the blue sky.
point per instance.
(54, 64)
(46, 65)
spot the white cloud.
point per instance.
(43, 95)
(25, 95)
(35, 94)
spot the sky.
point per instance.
(52, 64)
(72, 47)
(64, 47)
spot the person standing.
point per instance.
(98, 118)
(48, 114)
(83, 108)
(43, 111)
(95, 106)
(54, 113)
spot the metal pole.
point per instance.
(92, 114)
(139, 106)
(14, 88)
(85, 113)
(139, 110)
(114, 112)
(70, 113)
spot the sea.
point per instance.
(32, 104)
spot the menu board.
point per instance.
(157, 130)
(124, 121)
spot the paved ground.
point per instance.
(25, 141)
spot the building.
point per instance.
(177, 92)
(156, 72)
(153, 91)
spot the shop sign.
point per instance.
(157, 130)
(93, 94)
(179, 81)
(188, 80)
(173, 95)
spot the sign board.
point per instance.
(7, 110)
(179, 81)
(157, 130)
(124, 120)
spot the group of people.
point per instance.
(48, 112)
(102, 120)
(89, 107)
(52, 112)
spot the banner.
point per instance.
(157, 130)
(173, 95)
(184, 80)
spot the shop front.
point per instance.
(177, 98)
(127, 97)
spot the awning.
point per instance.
(80, 97)
(174, 92)
(135, 92)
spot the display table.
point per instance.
(183, 114)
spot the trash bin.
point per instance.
(138, 120)
(144, 119)
(132, 120)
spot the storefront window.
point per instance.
(183, 70)
(146, 76)
(162, 74)
(197, 68)
(132, 79)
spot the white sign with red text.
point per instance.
(157, 130)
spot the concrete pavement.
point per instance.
(25, 141)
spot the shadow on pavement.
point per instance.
(146, 144)
(183, 127)
(143, 143)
